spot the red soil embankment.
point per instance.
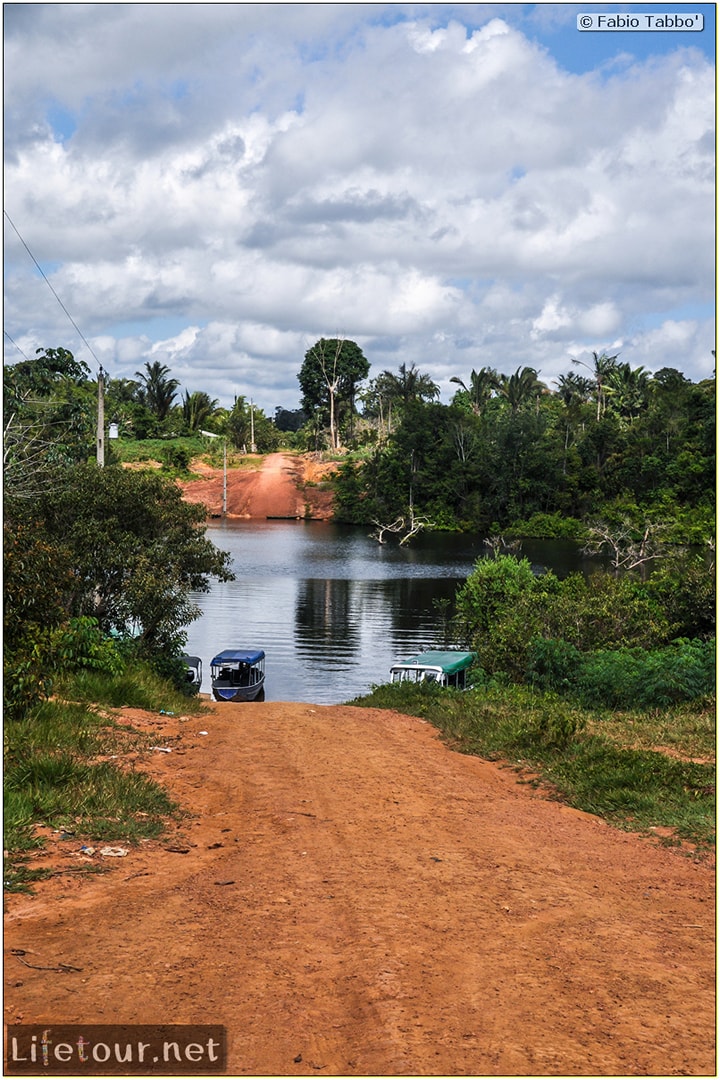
(285, 485)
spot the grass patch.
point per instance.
(138, 450)
(688, 730)
(138, 687)
(53, 776)
(177, 453)
(602, 763)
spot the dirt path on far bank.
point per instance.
(351, 897)
(283, 486)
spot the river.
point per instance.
(331, 607)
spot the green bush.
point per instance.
(81, 644)
(552, 663)
(640, 678)
(684, 584)
(555, 526)
(504, 608)
(176, 457)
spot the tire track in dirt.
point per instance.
(270, 492)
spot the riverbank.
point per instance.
(348, 895)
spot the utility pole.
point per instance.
(100, 441)
(224, 509)
(253, 447)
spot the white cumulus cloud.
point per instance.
(217, 185)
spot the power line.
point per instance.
(16, 345)
(37, 264)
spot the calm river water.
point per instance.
(331, 607)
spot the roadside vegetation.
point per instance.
(66, 768)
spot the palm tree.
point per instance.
(482, 384)
(389, 390)
(521, 387)
(574, 391)
(198, 408)
(411, 385)
(603, 365)
(630, 388)
(158, 391)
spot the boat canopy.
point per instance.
(237, 656)
(448, 661)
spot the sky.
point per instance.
(455, 186)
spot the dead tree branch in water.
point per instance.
(410, 526)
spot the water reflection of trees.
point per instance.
(324, 616)
(335, 616)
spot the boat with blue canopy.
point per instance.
(446, 667)
(238, 675)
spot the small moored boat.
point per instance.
(193, 671)
(446, 667)
(238, 674)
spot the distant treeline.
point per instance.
(510, 452)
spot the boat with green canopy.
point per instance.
(447, 667)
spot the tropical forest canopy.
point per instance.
(606, 440)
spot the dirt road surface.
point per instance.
(283, 486)
(351, 897)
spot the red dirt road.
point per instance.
(351, 897)
(284, 485)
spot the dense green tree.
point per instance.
(574, 391)
(136, 549)
(289, 419)
(49, 407)
(410, 385)
(483, 384)
(629, 389)
(38, 582)
(331, 372)
(521, 388)
(390, 394)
